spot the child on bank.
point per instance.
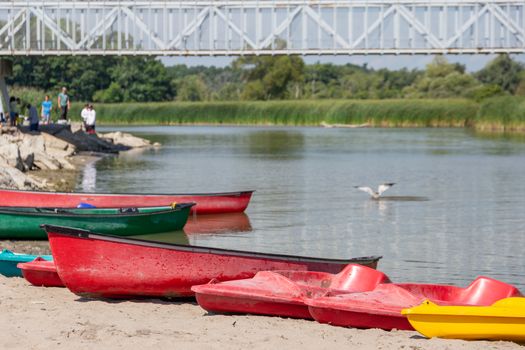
(46, 108)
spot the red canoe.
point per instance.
(96, 265)
(207, 203)
(41, 273)
(381, 308)
(283, 293)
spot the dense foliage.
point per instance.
(145, 79)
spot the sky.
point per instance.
(472, 62)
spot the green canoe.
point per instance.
(24, 223)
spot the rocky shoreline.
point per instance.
(51, 158)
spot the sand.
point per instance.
(54, 318)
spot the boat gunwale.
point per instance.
(86, 234)
(13, 211)
(203, 194)
(435, 310)
(10, 256)
(29, 266)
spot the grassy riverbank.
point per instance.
(504, 114)
(499, 114)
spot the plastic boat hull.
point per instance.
(381, 307)
(41, 273)
(97, 265)
(283, 293)
(503, 320)
(206, 203)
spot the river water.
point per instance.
(456, 211)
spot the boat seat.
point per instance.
(485, 291)
(358, 278)
(128, 210)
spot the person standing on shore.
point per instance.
(84, 115)
(64, 103)
(19, 110)
(47, 105)
(13, 111)
(90, 120)
(32, 115)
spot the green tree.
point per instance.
(520, 89)
(82, 76)
(142, 79)
(113, 94)
(442, 79)
(273, 75)
(191, 88)
(482, 92)
(254, 90)
(502, 71)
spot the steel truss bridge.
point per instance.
(257, 27)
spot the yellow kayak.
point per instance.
(503, 320)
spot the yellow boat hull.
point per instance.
(503, 320)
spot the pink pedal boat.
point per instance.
(283, 293)
(381, 307)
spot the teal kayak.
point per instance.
(9, 260)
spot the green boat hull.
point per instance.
(24, 223)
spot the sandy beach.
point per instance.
(54, 318)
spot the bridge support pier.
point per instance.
(6, 69)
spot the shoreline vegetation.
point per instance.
(497, 114)
(280, 90)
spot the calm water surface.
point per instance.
(456, 211)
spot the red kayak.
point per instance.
(97, 265)
(283, 293)
(207, 203)
(381, 308)
(41, 273)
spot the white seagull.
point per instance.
(375, 195)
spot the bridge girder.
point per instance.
(259, 27)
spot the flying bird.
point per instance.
(375, 195)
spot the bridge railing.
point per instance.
(255, 27)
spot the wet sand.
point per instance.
(54, 318)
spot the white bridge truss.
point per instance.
(255, 27)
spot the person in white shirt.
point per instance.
(83, 114)
(90, 120)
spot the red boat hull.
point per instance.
(41, 273)
(283, 293)
(206, 203)
(230, 305)
(381, 308)
(107, 266)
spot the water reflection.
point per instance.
(466, 220)
(402, 199)
(218, 224)
(176, 237)
(89, 177)
(283, 144)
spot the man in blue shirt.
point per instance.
(47, 105)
